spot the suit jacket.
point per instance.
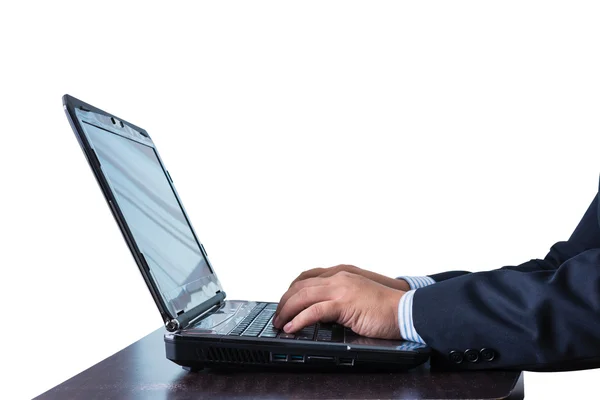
(542, 315)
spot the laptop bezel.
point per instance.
(70, 103)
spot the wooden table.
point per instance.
(141, 371)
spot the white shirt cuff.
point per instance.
(405, 318)
(415, 282)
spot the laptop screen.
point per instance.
(154, 216)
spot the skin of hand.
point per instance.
(399, 284)
(367, 307)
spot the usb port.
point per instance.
(279, 357)
(320, 360)
(346, 361)
(296, 358)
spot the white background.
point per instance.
(406, 139)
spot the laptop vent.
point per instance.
(228, 355)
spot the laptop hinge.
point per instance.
(183, 320)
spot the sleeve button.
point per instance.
(487, 354)
(472, 355)
(455, 356)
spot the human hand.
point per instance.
(367, 307)
(399, 284)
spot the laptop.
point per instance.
(202, 327)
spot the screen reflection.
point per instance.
(152, 212)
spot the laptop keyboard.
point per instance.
(259, 323)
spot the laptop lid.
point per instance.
(143, 200)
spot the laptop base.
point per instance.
(197, 353)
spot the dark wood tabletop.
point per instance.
(141, 371)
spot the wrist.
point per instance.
(400, 284)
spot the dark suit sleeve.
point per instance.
(585, 236)
(543, 320)
(543, 315)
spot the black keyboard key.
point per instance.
(325, 332)
(257, 321)
(324, 337)
(269, 333)
(307, 333)
(337, 333)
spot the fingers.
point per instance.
(331, 272)
(324, 272)
(327, 311)
(295, 288)
(311, 273)
(301, 300)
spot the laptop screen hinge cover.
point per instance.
(183, 320)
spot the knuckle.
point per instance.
(344, 290)
(343, 267)
(308, 274)
(302, 275)
(295, 286)
(336, 304)
(317, 311)
(343, 274)
(302, 294)
(334, 270)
